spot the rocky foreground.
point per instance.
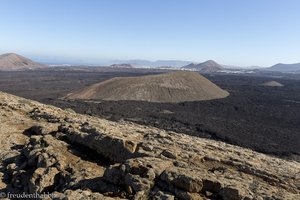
(49, 150)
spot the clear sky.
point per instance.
(235, 32)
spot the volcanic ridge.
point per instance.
(172, 87)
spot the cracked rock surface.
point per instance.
(72, 156)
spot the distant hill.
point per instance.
(207, 66)
(173, 87)
(158, 63)
(285, 67)
(121, 66)
(12, 61)
(272, 84)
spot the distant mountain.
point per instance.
(121, 66)
(12, 61)
(241, 67)
(285, 67)
(158, 63)
(207, 66)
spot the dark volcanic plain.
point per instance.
(266, 119)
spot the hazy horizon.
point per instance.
(238, 33)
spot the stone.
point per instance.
(138, 183)
(169, 154)
(187, 183)
(116, 149)
(37, 130)
(11, 167)
(211, 186)
(228, 193)
(42, 179)
(183, 181)
(163, 196)
(156, 164)
(114, 175)
(148, 148)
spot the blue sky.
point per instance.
(235, 32)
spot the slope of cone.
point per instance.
(170, 87)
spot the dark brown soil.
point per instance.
(266, 119)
